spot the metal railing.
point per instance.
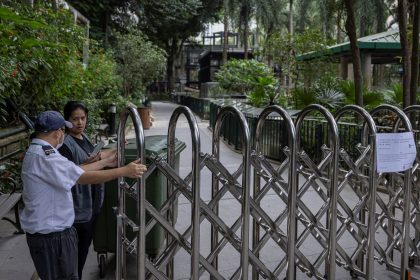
(200, 106)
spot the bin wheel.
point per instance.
(411, 262)
(102, 266)
(353, 274)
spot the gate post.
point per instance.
(333, 180)
(370, 130)
(407, 187)
(195, 185)
(224, 112)
(141, 196)
(292, 185)
(416, 189)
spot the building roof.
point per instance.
(388, 41)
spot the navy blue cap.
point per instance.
(49, 121)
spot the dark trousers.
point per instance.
(54, 254)
(85, 235)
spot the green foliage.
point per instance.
(106, 16)
(303, 97)
(97, 86)
(326, 93)
(167, 19)
(348, 88)
(371, 98)
(35, 46)
(169, 23)
(330, 98)
(41, 63)
(140, 63)
(249, 77)
(394, 95)
(283, 50)
(11, 169)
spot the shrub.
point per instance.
(371, 98)
(41, 63)
(140, 63)
(249, 77)
(394, 95)
(303, 97)
(36, 45)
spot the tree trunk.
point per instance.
(405, 46)
(338, 23)
(54, 5)
(245, 11)
(380, 16)
(355, 53)
(225, 34)
(291, 17)
(270, 31)
(170, 64)
(170, 73)
(246, 34)
(288, 78)
(415, 54)
(323, 12)
(105, 29)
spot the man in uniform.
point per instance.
(48, 215)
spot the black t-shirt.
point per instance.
(83, 143)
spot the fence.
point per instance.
(13, 142)
(200, 106)
(326, 200)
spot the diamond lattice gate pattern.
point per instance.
(318, 212)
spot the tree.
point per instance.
(244, 19)
(228, 12)
(355, 53)
(279, 45)
(415, 53)
(105, 16)
(139, 63)
(169, 23)
(270, 15)
(406, 49)
(380, 15)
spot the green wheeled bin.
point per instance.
(104, 239)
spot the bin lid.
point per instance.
(155, 145)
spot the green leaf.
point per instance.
(29, 43)
(8, 15)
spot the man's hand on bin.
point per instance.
(134, 169)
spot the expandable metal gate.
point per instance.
(332, 179)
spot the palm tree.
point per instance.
(228, 12)
(270, 16)
(357, 69)
(245, 13)
(405, 45)
(415, 53)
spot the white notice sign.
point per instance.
(395, 151)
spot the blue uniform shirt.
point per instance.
(47, 181)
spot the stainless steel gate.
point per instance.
(356, 234)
